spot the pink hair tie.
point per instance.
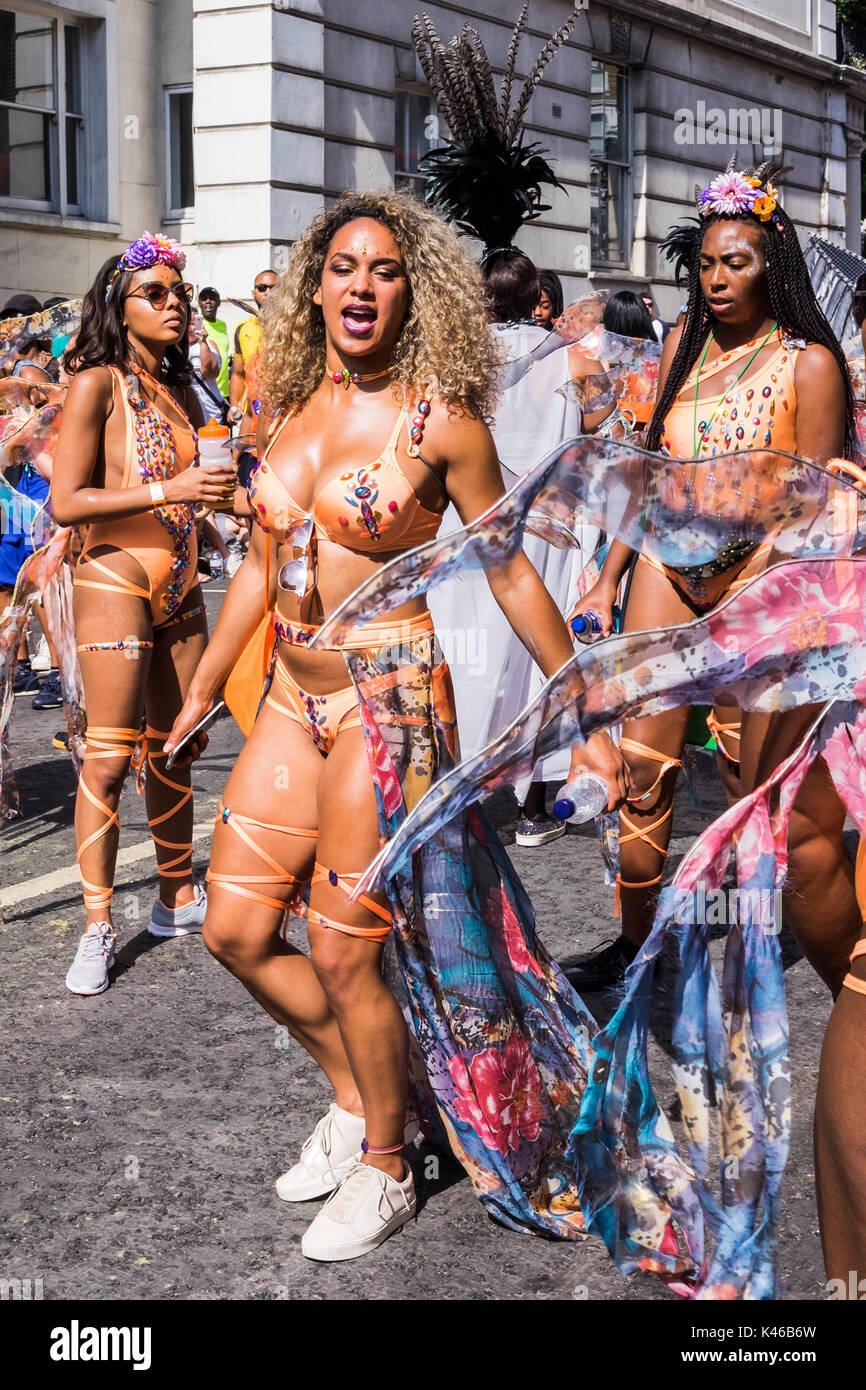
(365, 1148)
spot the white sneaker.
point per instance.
(41, 659)
(331, 1150)
(182, 920)
(364, 1211)
(88, 973)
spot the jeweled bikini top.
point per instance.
(759, 410)
(370, 508)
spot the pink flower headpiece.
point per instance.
(148, 250)
(734, 192)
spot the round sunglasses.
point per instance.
(157, 294)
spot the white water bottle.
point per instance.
(213, 439)
(213, 452)
(581, 799)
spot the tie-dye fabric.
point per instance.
(632, 374)
(854, 356)
(46, 572)
(728, 1045)
(794, 635)
(502, 1042)
(680, 513)
(46, 323)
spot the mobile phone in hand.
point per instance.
(210, 718)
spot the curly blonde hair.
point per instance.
(445, 345)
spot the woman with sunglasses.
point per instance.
(126, 467)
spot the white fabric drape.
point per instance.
(494, 675)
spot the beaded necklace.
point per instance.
(356, 378)
(157, 460)
(706, 424)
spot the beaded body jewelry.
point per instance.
(157, 461)
(355, 378)
(416, 429)
(125, 644)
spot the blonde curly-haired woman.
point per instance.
(359, 456)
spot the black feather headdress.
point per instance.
(486, 180)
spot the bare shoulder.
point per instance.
(451, 432)
(815, 365)
(671, 343)
(92, 389)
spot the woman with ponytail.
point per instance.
(126, 468)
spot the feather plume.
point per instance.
(487, 179)
(679, 245)
(510, 62)
(536, 73)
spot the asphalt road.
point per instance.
(145, 1127)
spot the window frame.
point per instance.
(58, 21)
(173, 214)
(414, 183)
(626, 239)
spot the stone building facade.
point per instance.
(229, 123)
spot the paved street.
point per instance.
(145, 1127)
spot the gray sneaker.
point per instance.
(182, 920)
(88, 973)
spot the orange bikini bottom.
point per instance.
(157, 562)
(323, 717)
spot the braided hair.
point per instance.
(792, 304)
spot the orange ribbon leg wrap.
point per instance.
(236, 883)
(181, 865)
(732, 730)
(635, 833)
(344, 882)
(102, 742)
(851, 981)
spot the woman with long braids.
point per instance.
(755, 364)
(126, 467)
(358, 459)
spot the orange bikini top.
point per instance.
(373, 507)
(139, 446)
(758, 411)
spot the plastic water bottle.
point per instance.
(212, 439)
(213, 452)
(581, 799)
(587, 626)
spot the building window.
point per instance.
(74, 115)
(610, 152)
(180, 180)
(418, 128)
(41, 112)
